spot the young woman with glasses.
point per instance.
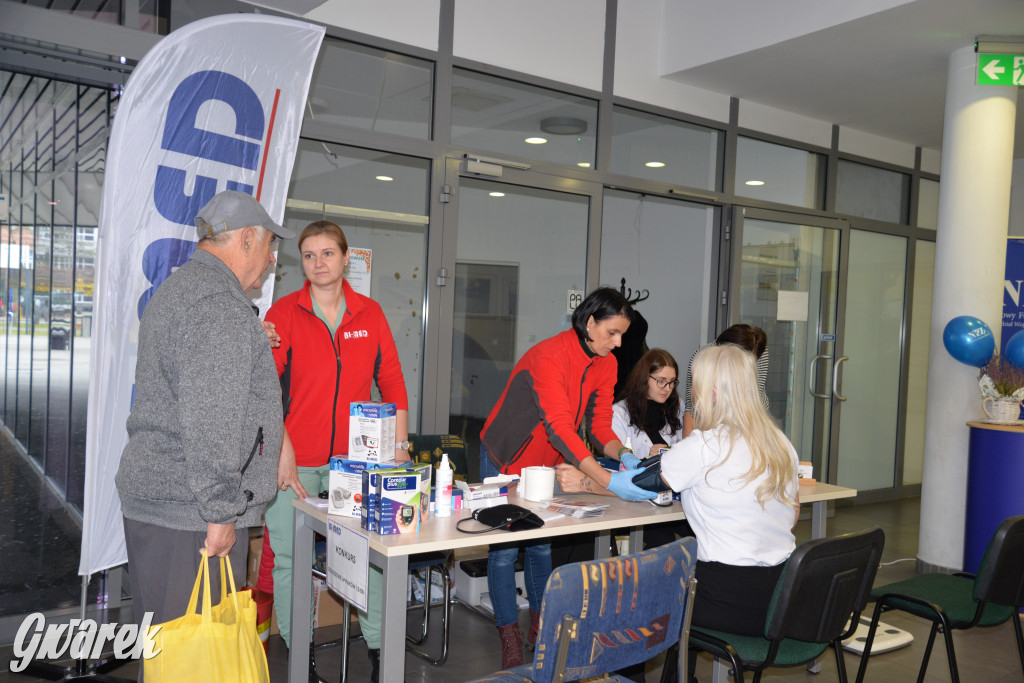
(649, 413)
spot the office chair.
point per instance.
(962, 601)
(604, 615)
(817, 602)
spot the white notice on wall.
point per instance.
(348, 563)
(359, 268)
(792, 306)
(574, 299)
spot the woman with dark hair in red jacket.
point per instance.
(536, 422)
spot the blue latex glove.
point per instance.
(629, 460)
(622, 485)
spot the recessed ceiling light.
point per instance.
(755, 182)
(496, 194)
(536, 141)
(583, 164)
(655, 164)
(563, 125)
(385, 178)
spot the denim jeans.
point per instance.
(501, 570)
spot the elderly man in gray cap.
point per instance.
(204, 433)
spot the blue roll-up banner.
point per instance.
(1013, 291)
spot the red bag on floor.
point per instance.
(264, 613)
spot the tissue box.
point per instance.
(371, 431)
(482, 495)
(805, 472)
(395, 499)
(346, 486)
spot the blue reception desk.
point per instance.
(995, 485)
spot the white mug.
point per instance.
(537, 483)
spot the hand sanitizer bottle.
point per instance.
(443, 488)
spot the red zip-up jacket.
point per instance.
(321, 375)
(537, 418)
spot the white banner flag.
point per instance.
(216, 105)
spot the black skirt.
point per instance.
(734, 599)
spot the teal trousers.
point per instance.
(281, 526)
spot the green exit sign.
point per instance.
(1000, 69)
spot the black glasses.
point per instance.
(662, 383)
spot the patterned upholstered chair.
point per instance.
(605, 615)
(962, 601)
(817, 602)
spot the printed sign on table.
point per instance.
(348, 563)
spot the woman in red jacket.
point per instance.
(335, 343)
(537, 422)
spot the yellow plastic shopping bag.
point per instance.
(221, 644)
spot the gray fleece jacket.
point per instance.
(205, 386)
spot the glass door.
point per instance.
(870, 376)
(786, 280)
(514, 249)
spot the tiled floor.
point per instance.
(984, 654)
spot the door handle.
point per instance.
(835, 378)
(810, 375)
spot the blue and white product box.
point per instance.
(396, 498)
(371, 431)
(345, 483)
(369, 503)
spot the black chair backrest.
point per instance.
(1001, 575)
(825, 581)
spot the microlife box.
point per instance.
(395, 499)
(346, 485)
(371, 431)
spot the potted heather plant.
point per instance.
(1002, 389)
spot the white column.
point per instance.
(970, 255)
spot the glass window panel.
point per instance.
(779, 259)
(387, 217)
(917, 362)
(777, 173)
(40, 333)
(55, 135)
(371, 89)
(928, 204)
(870, 379)
(519, 250)
(659, 148)
(662, 247)
(499, 115)
(61, 341)
(11, 262)
(872, 192)
(24, 331)
(154, 16)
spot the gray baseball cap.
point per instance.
(232, 210)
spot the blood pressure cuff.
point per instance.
(650, 478)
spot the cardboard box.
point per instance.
(395, 499)
(252, 567)
(328, 606)
(346, 486)
(371, 431)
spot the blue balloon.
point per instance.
(1015, 349)
(969, 340)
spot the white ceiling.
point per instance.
(883, 73)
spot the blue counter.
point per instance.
(995, 485)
